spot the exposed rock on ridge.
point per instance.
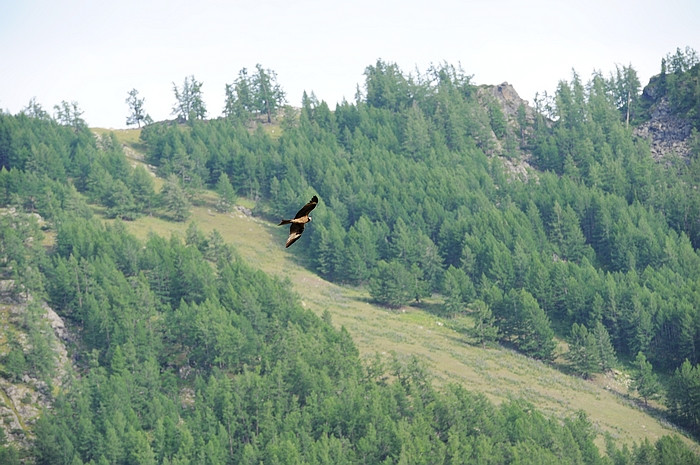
(666, 133)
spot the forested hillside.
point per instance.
(186, 354)
(413, 185)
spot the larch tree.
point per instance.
(645, 381)
(189, 104)
(268, 96)
(137, 114)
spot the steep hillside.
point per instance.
(499, 373)
(669, 107)
(668, 133)
(457, 230)
(34, 342)
(439, 342)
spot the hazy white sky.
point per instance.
(94, 52)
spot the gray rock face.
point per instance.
(21, 401)
(666, 133)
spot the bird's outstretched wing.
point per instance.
(306, 209)
(295, 231)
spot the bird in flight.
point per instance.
(302, 217)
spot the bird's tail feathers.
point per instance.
(284, 222)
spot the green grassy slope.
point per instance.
(498, 373)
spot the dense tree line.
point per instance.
(416, 203)
(410, 189)
(189, 355)
(186, 361)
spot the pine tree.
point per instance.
(268, 96)
(684, 395)
(227, 196)
(189, 103)
(484, 330)
(604, 347)
(537, 336)
(175, 199)
(393, 284)
(417, 133)
(142, 189)
(583, 352)
(645, 381)
(239, 98)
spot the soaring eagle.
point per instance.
(302, 217)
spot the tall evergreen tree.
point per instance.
(189, 104)
(393, 284)
(175, 199)
(645, 381)
(239, 97)
(227, 196)
(485, 330)
(268, 95)
(604, 347)
(684, 395)
(583, 352)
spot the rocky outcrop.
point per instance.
(667, 134)
(21, 401)
(514, 109)
(510, 103)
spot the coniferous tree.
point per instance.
(417, 139)
(227, 196)
(645, 381)
(536, 337)
(583, 352)
(70, 114)
(239, 97)
(35, 110)
(485, 330)
(137, 114)
(142, 188)
(189, 104)
(268, 95)
(604, 347)
(684, 395)
(392, 285)
(457, 289)
(120, 202)
(175, 199)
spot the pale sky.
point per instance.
(93, 52)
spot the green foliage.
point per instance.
(227, 196)
(393, 285)
(70, 114)
(14, 362)
(404, 176)
(175, 199)
(189, 104)
(604, 350)
(583, 354)
(189, 355)
(257, 94)
(34, 175)
(645, 381)
(136, 115)
(484, 330)
(684, 395)
(522, 322)
(239, 100)
(268, 95)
